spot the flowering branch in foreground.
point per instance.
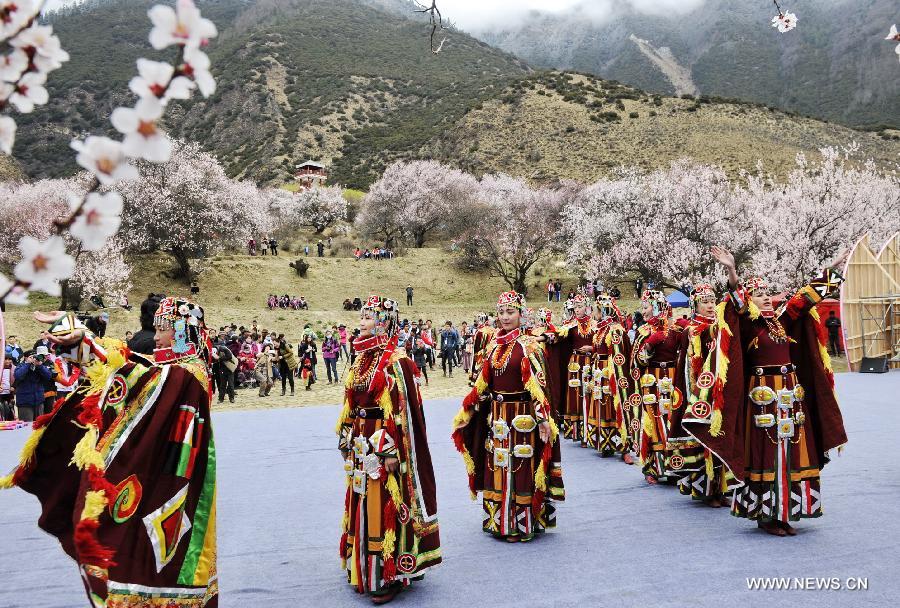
(96, 217)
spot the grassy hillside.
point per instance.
(573, 126)
(334, 80)
(234, 289)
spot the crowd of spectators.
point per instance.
(33, 379)
(287, 302)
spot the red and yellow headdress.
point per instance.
(511, 299)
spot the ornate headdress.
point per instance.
(657, 299)
(754, 284)
(511, 299)
(703, 292)
(606, 306)
(191, 337)
(386, 314)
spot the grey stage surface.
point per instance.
(619, 542)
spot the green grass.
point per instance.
(235, 286)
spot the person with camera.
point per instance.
(7, 391)
(30, 377)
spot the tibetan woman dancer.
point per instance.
(125, 466)
(654, 357)
(570, 358)
(390, 528)
(507, 435)
(776, 415)
(608, 415)
(703, 474)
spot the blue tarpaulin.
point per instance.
(677, 299)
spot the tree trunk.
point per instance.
(183, 270)
(420, 239)
(519, 283)
(69, 298)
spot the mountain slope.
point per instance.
(835, 65)
(335, 80)
(353, 83)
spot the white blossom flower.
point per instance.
(6, 90)
(155, 79)
(48, 52)
(18, 295)
(143, 137)
(895, 36)
(104, 158)
(182, 26)
(44, 264)
(13, 65)
(196, 65)
(7, 134)
(30, 92)
(785, 21)
(99, 219)
(13, 15)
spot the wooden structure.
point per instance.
(311, 174)
(870, 303)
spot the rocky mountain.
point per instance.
(835, 65)
(353, 84)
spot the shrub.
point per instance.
(300, 267)
(633, 115)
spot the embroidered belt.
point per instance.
(520, 396)
(774, 370)
(373, 413)
(661, 364)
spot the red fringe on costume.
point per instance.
(88, 548)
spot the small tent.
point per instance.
(677, 299)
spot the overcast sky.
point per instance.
(473, 15)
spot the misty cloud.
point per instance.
(479, 15)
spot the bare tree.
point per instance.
(435, 20)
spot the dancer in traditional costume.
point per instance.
(654, 358)
(774, 413)
(609, 413)
(544, 322)
(390, 528)
(702, 473)
(124, 467)
(483, 334)
(570, 360)
(507, 435)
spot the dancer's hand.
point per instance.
(544, 431)
(838, 263)
(722, 256)
(49, 318)
(391, 465)
(726, 259)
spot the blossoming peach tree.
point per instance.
(31, 52)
